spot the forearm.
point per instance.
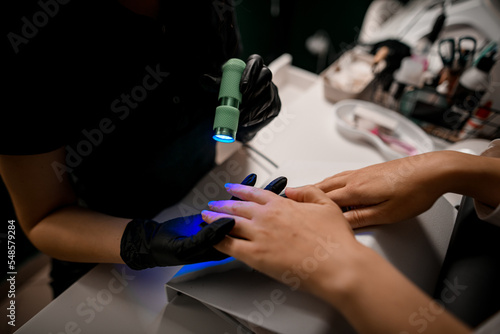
(55, 224)
(379, 299)
(77, 234)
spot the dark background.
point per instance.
(271, 36)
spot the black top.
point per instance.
(120, 92)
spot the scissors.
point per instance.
(466, 50)
(454, 67)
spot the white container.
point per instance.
(406, 130)
(349, 77)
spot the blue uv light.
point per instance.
(223, 138)
(189, 268)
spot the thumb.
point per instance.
(308, 194)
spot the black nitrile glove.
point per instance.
(147, 244)
(184, 240)
(277, 185)
(260, 99)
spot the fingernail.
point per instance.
(211, 204)
(228, 186)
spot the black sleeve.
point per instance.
(36, 105)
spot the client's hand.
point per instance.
(392, 191)
(305, 241)
(286, 237)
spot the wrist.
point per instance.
(474, 176)
(437, 171)
(347, 283)
(375, 297)
(135, 249)
(337, 279)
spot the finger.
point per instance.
(263, 81)
(277, 185)
(365, 216)
(238, 248)
(250, 180)
(242, 227)
(250, 73)
(258, 108)
(354, 196)
(242, 208)
(211, 216)
(214, 233)
(250, 194)
(342, 197)
(308, 194)
(333, 182)
(188, 251)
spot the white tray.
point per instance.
(406, 130)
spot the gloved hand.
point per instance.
(260, 99)
(146, 243)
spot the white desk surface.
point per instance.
(116, 299)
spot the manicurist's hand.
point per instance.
(400, 189)
(260, 103)
(146, 243)
(286, 237)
